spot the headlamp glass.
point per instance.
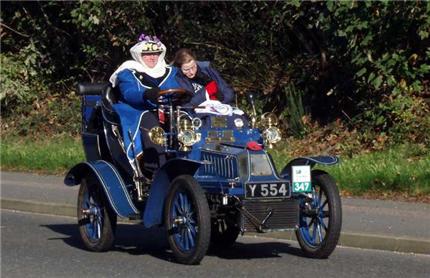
(157, 135)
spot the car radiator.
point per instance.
(219, 165)
(285, 214)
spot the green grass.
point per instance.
(403, 168)
(51, 156)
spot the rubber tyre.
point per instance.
(97, 232)
(224, 233)
(332, 210)
(187, 202)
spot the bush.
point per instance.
(16, 88)
(54, 114)
(361, 62)
(401, 118)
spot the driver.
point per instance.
(139, 82)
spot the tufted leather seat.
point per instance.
(110, 97)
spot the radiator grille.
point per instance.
(285, 213)
(220, 165)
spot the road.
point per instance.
(35, 245)
(387, 218)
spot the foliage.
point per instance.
(53, 114)
(386, 43)
(386, 47)
(401, 117)
(20, 80)
(366, 63)
(14, 89)
(295, 112)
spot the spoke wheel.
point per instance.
(96, 219)
(320, 217)
(188, 220)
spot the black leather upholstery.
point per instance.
(92, 88)
(111, 121)
(110, 97)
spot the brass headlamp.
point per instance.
(271, 133)
(157, 136)
(187, 135)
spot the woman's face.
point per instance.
(150, 59)
(189, 69)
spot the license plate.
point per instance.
(267, 190)
(301, 179)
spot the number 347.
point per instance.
(302, 187)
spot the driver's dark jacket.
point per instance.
(200, 96)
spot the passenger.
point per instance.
(139, 82)
(201, 79)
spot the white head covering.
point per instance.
(146, 44)
(150, 46)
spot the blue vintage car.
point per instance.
(218, 181)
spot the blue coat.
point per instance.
(133, 104)
(200, 96)
(133, 88)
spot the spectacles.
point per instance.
(151, 54)
(188, 69)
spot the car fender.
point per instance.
(311, 160)
(112, 183)
(154, 208)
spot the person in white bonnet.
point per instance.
(141, 79)
(139, 82)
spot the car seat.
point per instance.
(112, 129)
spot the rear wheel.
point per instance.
(96, 220)
(320, 217)
(188, 220)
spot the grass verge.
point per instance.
(50, 156)
(400, 169)
(403, 169)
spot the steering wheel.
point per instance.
(174, 95)
(178, 91)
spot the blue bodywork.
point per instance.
(111, 181)
(221, 162)
(160, 187)
(311, 161)
(217, 179)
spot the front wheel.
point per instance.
(187, 220)
(320, 217)
(96, 219)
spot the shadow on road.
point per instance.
(255, 250)
(133, 239)
(138, 240)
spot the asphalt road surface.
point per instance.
(34, 245)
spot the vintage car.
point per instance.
(219, 181)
